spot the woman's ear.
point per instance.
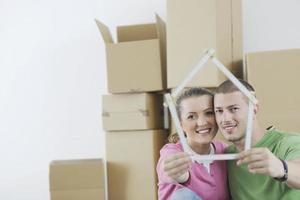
(256, 108)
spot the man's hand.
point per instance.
(261, 161)
(176, 166)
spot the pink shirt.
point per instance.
(207, 186)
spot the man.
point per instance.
(271, 169)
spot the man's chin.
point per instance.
(234, 139)
(228, 135)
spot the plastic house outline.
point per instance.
(210, 54)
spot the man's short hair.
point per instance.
(228, 87)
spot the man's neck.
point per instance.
(257, 135)
(240, 145)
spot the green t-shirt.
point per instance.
(246, 186)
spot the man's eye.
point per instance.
(234, 109)
(218, 111)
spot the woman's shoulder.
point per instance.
(220, 146)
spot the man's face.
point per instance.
(231, 111)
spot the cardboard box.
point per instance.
(275, 77)
(196, 25)
(136, 63)
(139, 111)
(132, 158)
(77, 180)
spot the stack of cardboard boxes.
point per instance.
(132, 114)
(138, 76)
(137, 63)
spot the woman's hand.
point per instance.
(176, 166)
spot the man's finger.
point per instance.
(251, 152)
(256, 165)
(251, 158)
(258, 171)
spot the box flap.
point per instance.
(237, 29)
(136, 32)
(106, 35)
(160, 28)
(161, 33)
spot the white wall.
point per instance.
(271, 24)
(52, 75)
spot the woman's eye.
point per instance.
(191, 117)
(210, 113)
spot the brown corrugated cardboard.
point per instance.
(196, 25)
(132, 158)
(77, 180)
(136, 63)
(139, 111)
(275, 76)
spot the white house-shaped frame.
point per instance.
(210, 54)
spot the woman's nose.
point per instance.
(201, 121)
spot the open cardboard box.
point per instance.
(136, 63)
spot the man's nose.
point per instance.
(226, 116)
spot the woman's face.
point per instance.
(198, 119)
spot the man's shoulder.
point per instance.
(285, 136)
(286, 145)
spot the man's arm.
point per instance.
(263, 161)
(294, 173)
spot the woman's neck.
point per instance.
(201, 149)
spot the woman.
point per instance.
(178, 177)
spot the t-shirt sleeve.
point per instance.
(291, 147)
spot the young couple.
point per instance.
(269, 170)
